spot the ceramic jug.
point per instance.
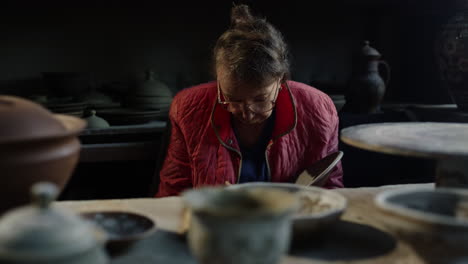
(366, 88)
(451, 54)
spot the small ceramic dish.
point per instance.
(123, 229)
(318, 208)
(433, 221)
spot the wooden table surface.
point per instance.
(360, 212)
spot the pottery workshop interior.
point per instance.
(106, 48)
(111, 70)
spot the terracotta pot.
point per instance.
(37, 146)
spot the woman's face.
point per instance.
(248, 104)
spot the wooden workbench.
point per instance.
(359, 238)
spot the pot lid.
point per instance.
(42, 232)
(24, 120)
(152, 86)
(369, 51)
(95, 121)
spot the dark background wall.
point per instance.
(115, 40)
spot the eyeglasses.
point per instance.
(255, 107)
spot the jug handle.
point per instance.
(387, 72)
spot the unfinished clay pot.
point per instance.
(35, 145)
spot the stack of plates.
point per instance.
(98, 100)
(67, 107)
(97, 106)
(131, 116)
(161, 103)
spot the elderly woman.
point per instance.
(252, 123)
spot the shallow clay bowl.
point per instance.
(123, 229)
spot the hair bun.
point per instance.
(240, 15)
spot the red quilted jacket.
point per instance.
(203, 149)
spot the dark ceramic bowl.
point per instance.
(433, 221)
(123, 229)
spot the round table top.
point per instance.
(420, 139)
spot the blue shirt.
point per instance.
(254, 167)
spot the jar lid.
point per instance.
(24, 120)
(151, 86)
(95, 121)
(369, 51)
(40, 232)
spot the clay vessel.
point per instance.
(366, 88)
(35, 145)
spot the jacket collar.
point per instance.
(285, 118)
